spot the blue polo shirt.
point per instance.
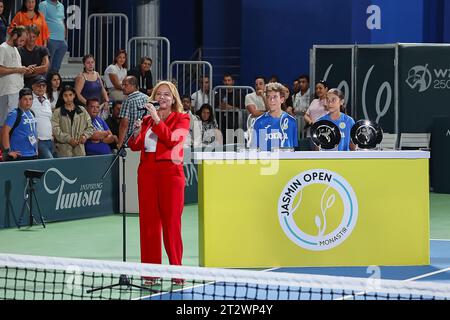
(270, 133)
(345, 124)
(97, 148)
(54, 16)
(22, 137)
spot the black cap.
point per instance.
(39, 79)
(25, 92)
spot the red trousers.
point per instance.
(161, 200)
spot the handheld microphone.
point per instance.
(154, 103)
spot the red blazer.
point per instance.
(171, 134)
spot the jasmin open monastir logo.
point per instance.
(318, 209)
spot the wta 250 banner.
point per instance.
(424, 85)
(70, 188)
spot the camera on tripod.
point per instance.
(33, 174)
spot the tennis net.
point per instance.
(51, 278)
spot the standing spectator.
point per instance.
(43, 113)
(30, 15)
(194, 138)
(317, 108)
(99, 142)
(34, 55)
(53, 11)
(19, 136)
(54, 86)
(144, 75)
(3, 22)
(114, 75)
(228, 99)
(201, 96)
(275, 128)
(11, 71)
(335, 106)
(131, 107)
(72, 125)
(211, 135)
(89, 85)
(113, 121)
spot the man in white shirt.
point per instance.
(255, 103)
(12, 71)
(43, 113)
(201, 96)
(301, 102)
(302, 98)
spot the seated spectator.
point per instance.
(201, 96)
(274, 79)
(19, 134)
(302, 95)
(30, 15)
(54, 87)
(317, 108)
(43, 112)
(287, 104)
(113, 121)
(211, 135)
(335, 106)
(228, 99)
(89, 85)
(114, 75)
(144, 75)
(194, 138)
(53, 11)
(276, 128)
(255, 102)
(102, 137)
(3, 23)
(72, 125)
(34, 55)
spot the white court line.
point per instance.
(446, 240)
(410, 279)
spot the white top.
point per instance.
(301, 102)
(199, 98)
(150, 141)
(316, 109)
(10, 57)
(55, 98)
(114, 68)
(258, 101)
(43, 114)
(283, 155)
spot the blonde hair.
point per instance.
(177, 106)
(275, 86)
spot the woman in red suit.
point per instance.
(159, 137)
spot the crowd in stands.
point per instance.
(96, 115)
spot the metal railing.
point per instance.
(156, 48)
(230, 112)
(189, 75)
(106, 33)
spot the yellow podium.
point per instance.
(326, 208)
